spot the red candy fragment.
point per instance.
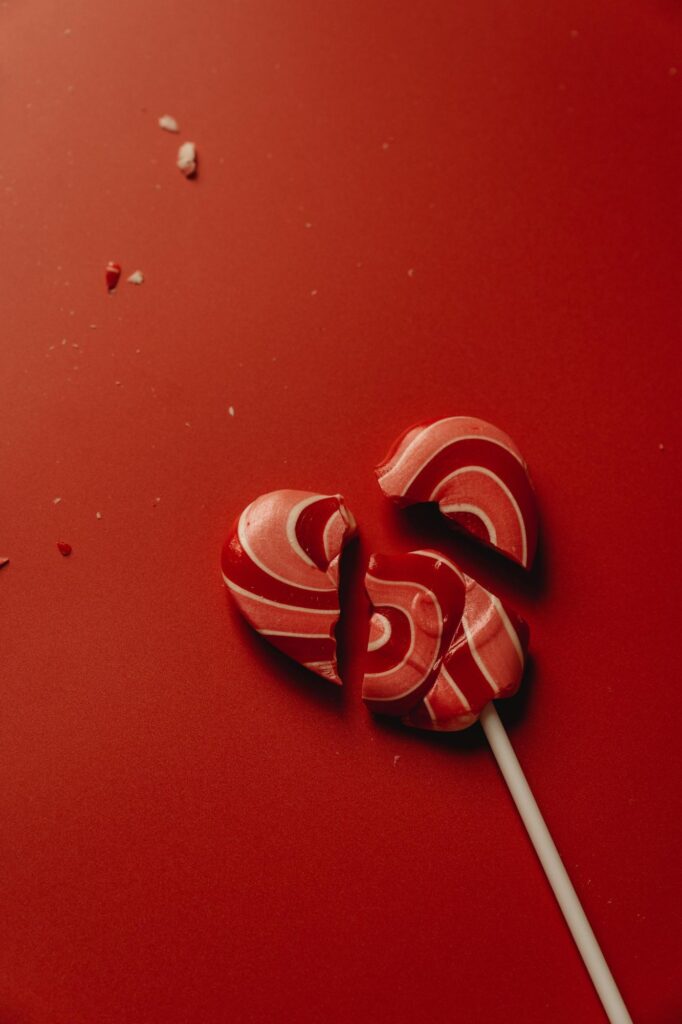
(281, 564)
(475, 474)
(485, 661)
(112, 275)
(4, 562)
(64, 548)
(417, 603)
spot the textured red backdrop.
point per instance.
(403, 211)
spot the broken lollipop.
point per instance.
(476, 475)
(281, 564)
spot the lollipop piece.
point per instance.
(112, 273)
(281, 564)
(417, 601)
(484, 661)
(187, 159)
(477, 476)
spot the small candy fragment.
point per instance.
(168, 123)
(280, 562)
(417, 601)
(137, 277)
(112, 275)
(64, 548)
(3, 562)
(476, 475)
(485, 660)
(187, 159)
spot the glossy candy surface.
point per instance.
(281, 565)
(484, 661)
(476, 475)
(417, 601)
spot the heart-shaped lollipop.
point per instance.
(441, 647)
(281, 563)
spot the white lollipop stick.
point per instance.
(548, 854)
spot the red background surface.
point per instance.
(194, 829)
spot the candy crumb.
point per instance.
(112, 275)
(187, 159)
(3, 562)
(55, 501)
(231, 410)
(396, 758)
(137, 277)
(168, 123)
(64, 548)
(661, 447)
(98, 515)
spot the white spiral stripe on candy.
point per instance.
(279, 604)
(292, 520)
(511, 632)
(479, 512)
(475, 653)
(421, 439)
(474, 510)
(432, 715)
(385, 635)
(347, 524)
(455, 688)
(394, 668)
(400, 608)
(437, 557)
(492, 682)
(326, 535)
(243, 540)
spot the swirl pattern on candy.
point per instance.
(485, 660)
(417, 601)
(281, 565)
(477, 476)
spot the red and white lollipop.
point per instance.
(477, 476)
(281, 564)
(485, 660)
(418, 601)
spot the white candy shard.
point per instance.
(187, 159)
(168, 123)
(137, 277)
